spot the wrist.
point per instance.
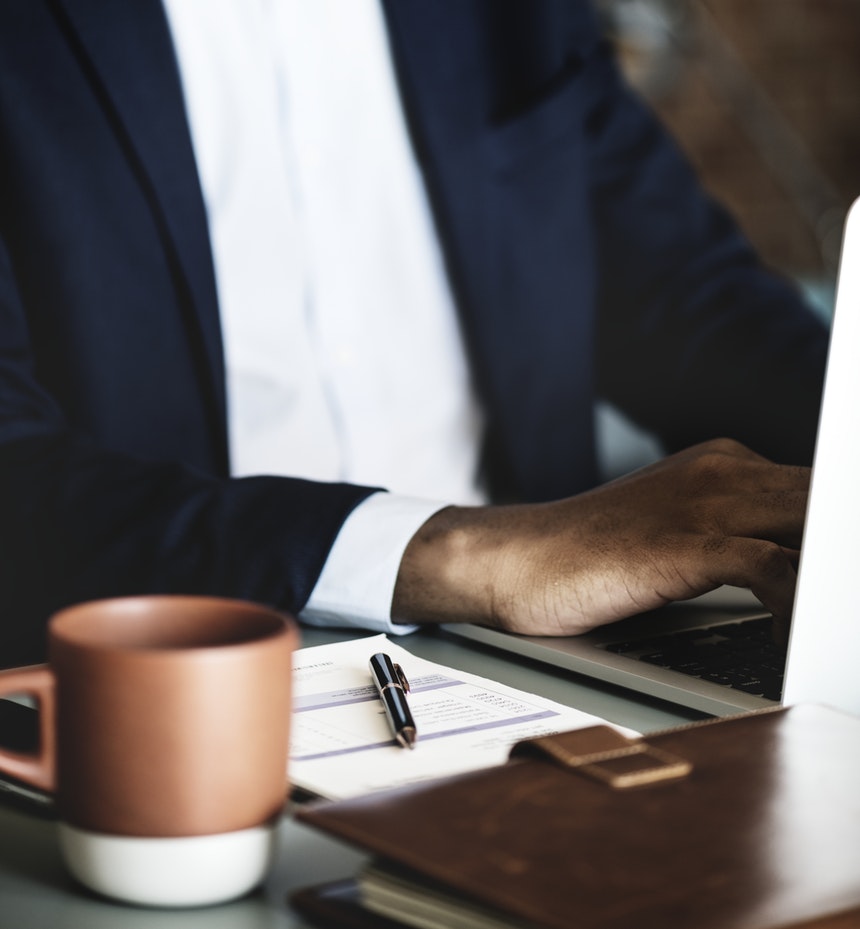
(449, 568)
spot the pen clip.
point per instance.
(401, 677)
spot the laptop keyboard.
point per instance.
(741, 655)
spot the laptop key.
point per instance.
(741, 655)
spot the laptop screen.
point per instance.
(824, 649)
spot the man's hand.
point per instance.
(714, 514)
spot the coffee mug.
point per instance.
(164, 734)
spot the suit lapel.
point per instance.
(129, 55)
(512, 215)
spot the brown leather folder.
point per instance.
(751, 822)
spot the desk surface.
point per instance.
(36, 892)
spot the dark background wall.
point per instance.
(764, 96)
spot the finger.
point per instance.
(776, 516)
(721, 467)
(775, 478)
(782, 623)
(715, 473)
(765, 568)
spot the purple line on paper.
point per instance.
(423, 684)
(351, 695)
(335, 698)
(343, 751)
(493, 724)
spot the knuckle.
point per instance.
(716, 545)
(725, 446)
(770, 560)
(709, 468)
(718, 461)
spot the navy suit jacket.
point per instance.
(585, 260)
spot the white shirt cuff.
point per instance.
(356, 585)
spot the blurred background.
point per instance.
(764, 97)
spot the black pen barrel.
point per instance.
(384, 672)
(397, 708)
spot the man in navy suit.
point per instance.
(582, 259)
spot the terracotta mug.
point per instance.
(164, 733)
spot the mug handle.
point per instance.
(40, 770)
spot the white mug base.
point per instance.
(169, 872)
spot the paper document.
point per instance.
(341, 744)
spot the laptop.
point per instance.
(715, 654)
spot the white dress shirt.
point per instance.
(343, 353)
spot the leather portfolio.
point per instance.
(750, 822)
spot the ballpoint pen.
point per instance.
(392, 685)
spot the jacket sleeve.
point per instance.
(81, 522)
(695, 339)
